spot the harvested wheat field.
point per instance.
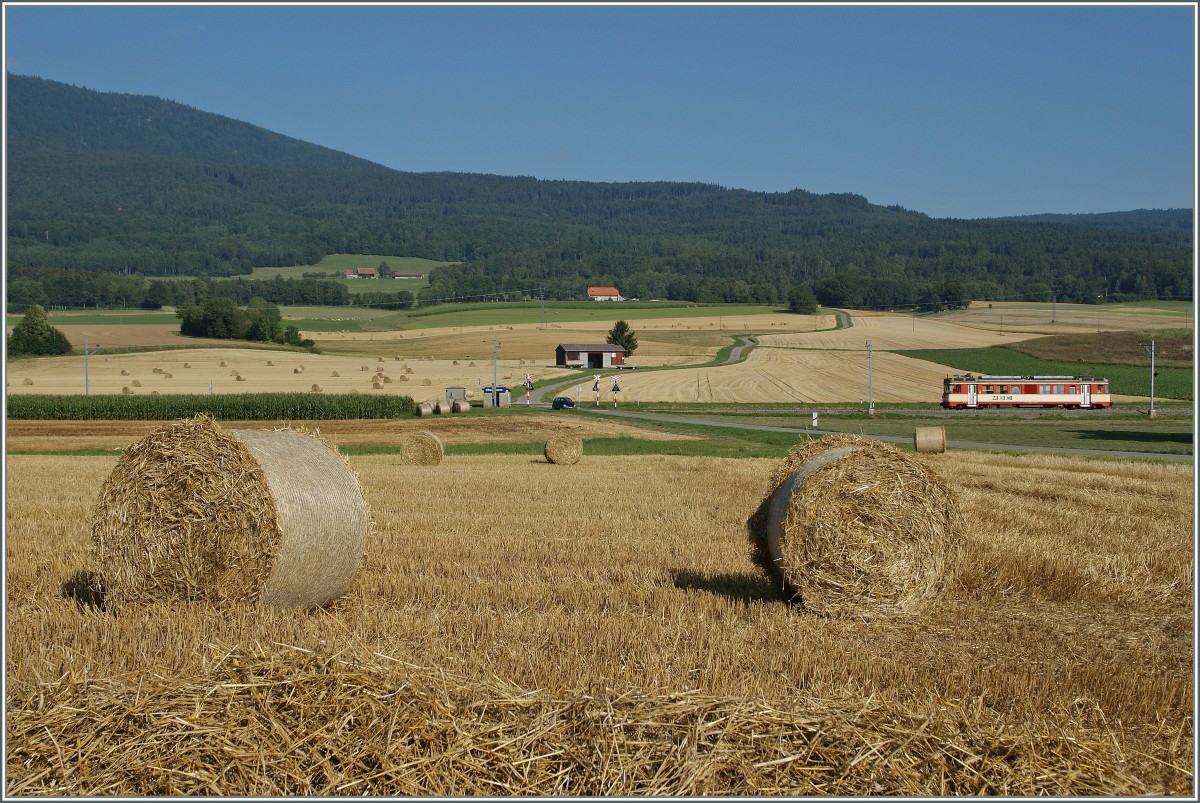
(794, 375)
(503, 637)
(26, 436)
(233, 370)
(661, 341)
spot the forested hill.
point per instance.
(106, 185)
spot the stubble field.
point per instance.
(519, 627)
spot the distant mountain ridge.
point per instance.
(135, 185)
(54, 116)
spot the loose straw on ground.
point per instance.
(196, 512)
(853, 526)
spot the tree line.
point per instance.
(124, 188)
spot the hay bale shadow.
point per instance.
(745, 587)
(86, 589)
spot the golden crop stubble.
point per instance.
(633, 572)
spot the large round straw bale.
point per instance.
(239, 378)
(564, 449)
(471, 364)
(187, 365)
(424, 409)
(137, 383)
(270, 363)
(377, 385)
(460, 406)
(426, 382)
(28, 380)
(387, 380)
(223, 365)
(421, 448)
(929, 440)
(124, 372)
(441, 407)
(852, 526)
(297, 370)
(316, 388)
(168, 375)
(403, 378)
(407, 370)
(193, 511)
(126, 390)
(157, 370)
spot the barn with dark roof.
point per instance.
(589, 355)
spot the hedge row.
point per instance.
(227, 407)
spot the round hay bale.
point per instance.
(124, 372)
(234, 372)
(379, 359)
(564, 449)
(223, 365)
(154, 393)
(471, 364)
(407, 370)
(376, 385)
(403, 378)
(424, 409)
(128, 391)
(426, 382)
(168, 375)
(137, 383)
(456, 362)
(157, 370)
(396, 358)
(441, 407)
(460, 406)
(853, 526)
(28, 381)
(316, 388)
(270, 363)
(187, 365)
(336, 373)
(929, 440)
(297, 370)
(239, 378)
(421, 448)
(387, 380)
(352, 390)
(365, 368)
(196, 512)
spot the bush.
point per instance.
(34, 335)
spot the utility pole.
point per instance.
(87, 353)
(870, 383)
(1150, 351)
(542, 296)
(495, 391)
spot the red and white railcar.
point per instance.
(968, 392)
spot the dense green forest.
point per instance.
(107, 190)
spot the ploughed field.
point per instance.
(519, 627)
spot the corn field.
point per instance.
(226, 406)
(524, 628)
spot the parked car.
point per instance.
(562, 402)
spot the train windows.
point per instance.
(988, 389)
(1059, 389)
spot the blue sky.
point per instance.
(955, 111)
